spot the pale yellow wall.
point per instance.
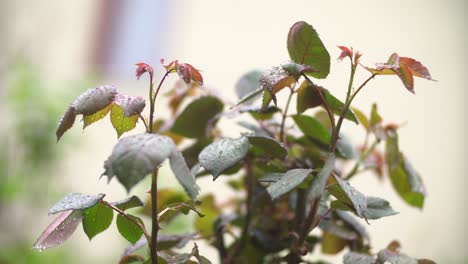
(227, 38)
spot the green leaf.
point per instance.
(377, 208)
(169, 211)
(248, 87)
(312, 128)
(59, 230)
(307, 97)
(363, 120)
(344, 192)
(125, 112)
(204, 225)
(93, 101)
(75, 201)
(296, 69)
(305, 47)
(167, 242)
(357, 258)
(318, 184)
(89, 119)
(375, 117)
(338, 229)
(97, 219)
(405, 180)
(183, 174)
(267, 147)
(129, 230)
(287, 182)
(129, 203)
(194, 120)
(351, 221)
(337, 106)
(223, 154)
(345, 147)
(332, 244)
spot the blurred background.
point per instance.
(51, 51)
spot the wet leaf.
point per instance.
(345, 147)
(273, 81)
(223, 154)
(267, 147)
(194, 120)
(287, 182)
(125, 112)
(305, 47)
(88, 104)
(405, 180)
(188, 73)
(128, 229)
(357, 258)
(59, 230)
(89, 119)
(318, 184)
(97, 219)
(312, 128)
(75, 201)
(296, 69)
(183, 174)
(129, 203)
(171, 210)
(338, 229)
(344, 192)
(351, 221)
(170, 241)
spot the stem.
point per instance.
(308, 222)
(362, 157)
(144, 123)
(285, 113)
(153, 98)
(300, 209)
(154, 217)
(122, 213)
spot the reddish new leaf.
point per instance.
(188, 73)
(59, 230)
(171, 66)
(142, 68)
(345, 52)
(66, 122)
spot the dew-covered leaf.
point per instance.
(125, 112)
(267, 147)
(274, 80)
(223, 154)
(195, 119)
(287, 182)
(312, 128)
(338, 229)
(344, 192)
(128, 203)
(75, 201)
(405, 180)
(136, 156)
(296, 69)
(183, 174)
(377, 208)
(97, 219)
(305, 47)
(345, 147)
(357, 258)
(59, 230)
(248, 87)
(353, 222)
(171, 210)
(318, 184)
(92, 104)
(128, 229)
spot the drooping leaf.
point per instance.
(59, 230)
(332, 244)
(75, 201)
(344, 192)
(223, 154)
(296, 69)
(337, 228)
(125, 112)
(287, 182)
(337, 106)
(273, 81)
(307, 97)
(171, 210)
(362, 118)
(377, 208)
(318, 184)
(128, 229)
(89, 119)
(136, 156)
(263, 114)
(248, 87)
(312, 128)
(345, 147)
(357, 258)
(88, 104)
(128, 203)
(267, 147)
(188, 73)
(97, 219)
(194, 120)
(305, 47)
(405, 180)
(351, 221)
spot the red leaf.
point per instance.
(142, 68)
(416, 68)
(345, 52)
(196, 75)
(172, 66)
(406, 76)
(188, 73)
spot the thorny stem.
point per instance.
(362, 157)
(285, 114)
(122, 213)
(154, 217)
